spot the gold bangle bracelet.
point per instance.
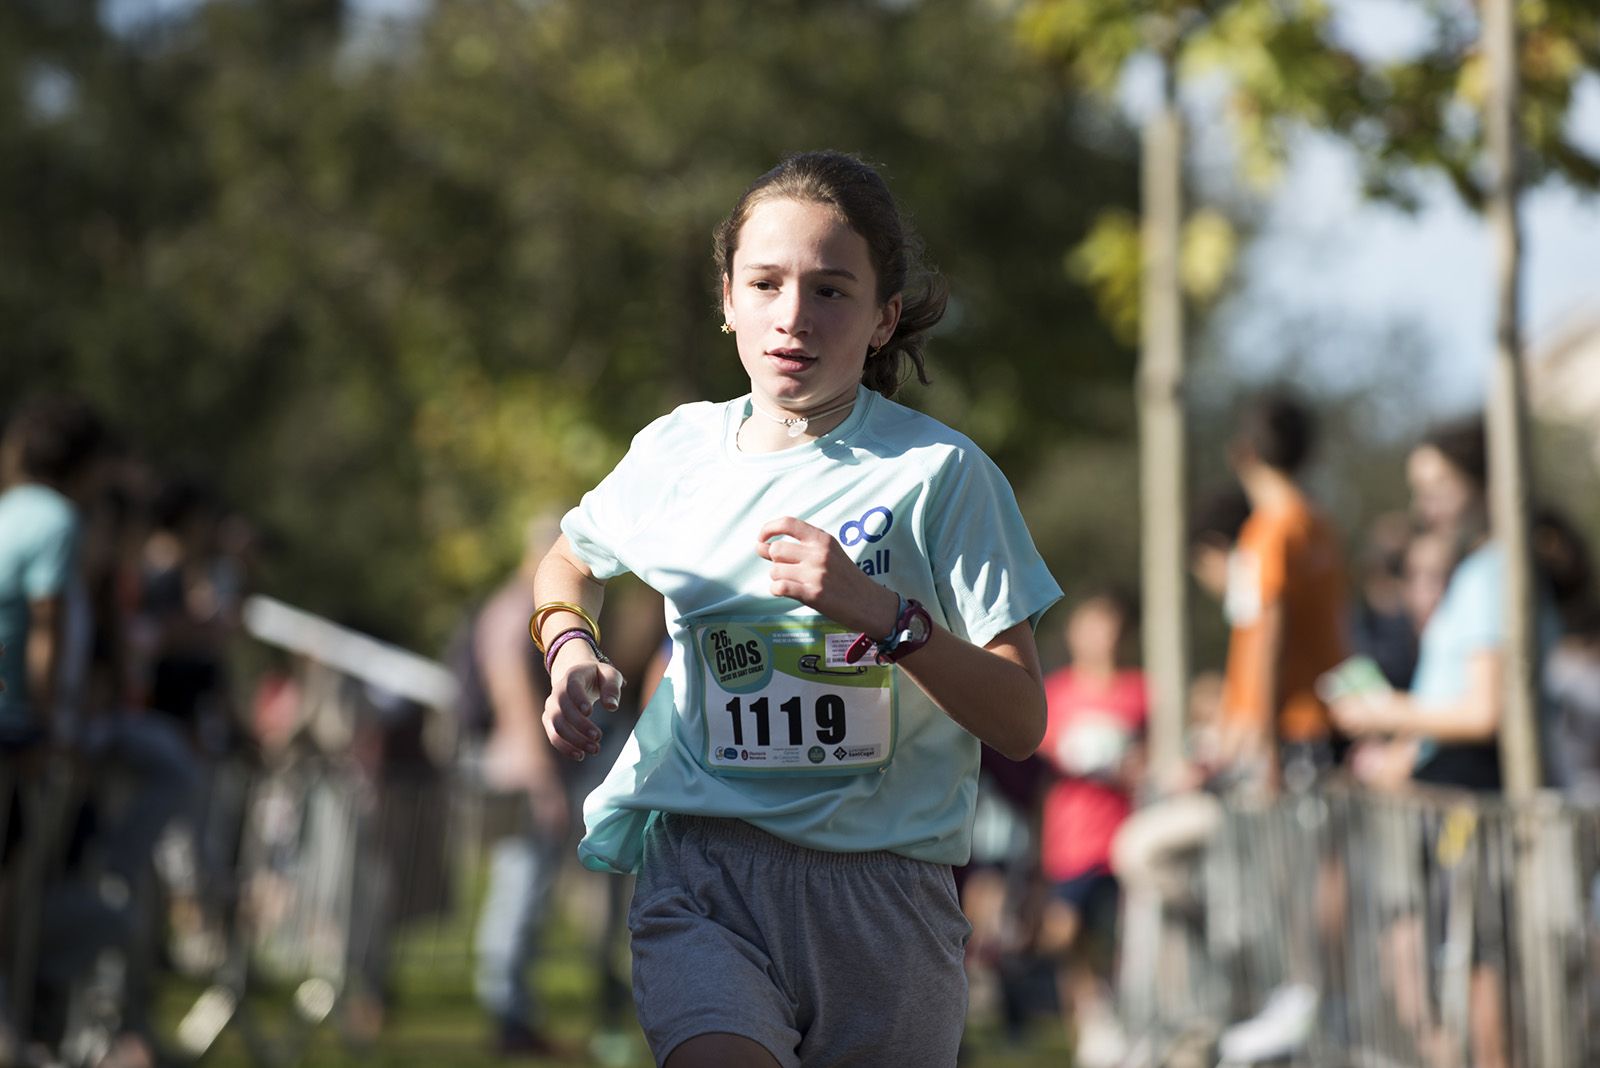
(536, 621)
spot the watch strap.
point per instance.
(900, 642)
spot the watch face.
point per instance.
(920, 626)
(916, 627)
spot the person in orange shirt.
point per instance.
(1286, 604)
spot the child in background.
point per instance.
(1094, 742)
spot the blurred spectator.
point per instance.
(1451, 713)
(1157, 858)
(1572, 673)
(1094, 742)
(1002, 894)
(1285, 602)
(402, 871)
(1381, 628)
(1182, 814)
(1382, 762)
(81, 885)
(1430, 558)
(47, 460)
(1453, 706)
(183, 617)
(504, 687)
(1213, 532)
(276, 707)
(139, 773)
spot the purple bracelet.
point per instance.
(563, 638)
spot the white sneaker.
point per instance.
(1282, 1026)
(1101, 1043)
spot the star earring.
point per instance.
(727, 328)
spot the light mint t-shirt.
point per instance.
(38, 547)
(1470, 619)
(917, 505)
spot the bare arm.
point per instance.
(518, 755)
(996, 692)
(1474, 717)
(1248, 734)
(46, 620)
(578, 681)
(502, 656)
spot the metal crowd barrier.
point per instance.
(337, 857)
(276, 896)
(334, 876)
(1430, 929)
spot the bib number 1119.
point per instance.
(827, 714)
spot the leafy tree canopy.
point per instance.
(395, 290)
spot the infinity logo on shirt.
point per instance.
(855, 531)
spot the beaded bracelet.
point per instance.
(566, 636)
(544, 610)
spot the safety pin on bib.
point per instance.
(808, 663)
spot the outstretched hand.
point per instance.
(579, 684)
(810, 566)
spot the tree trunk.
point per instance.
(1163, 452)
(1507, 422)
(1541, 982)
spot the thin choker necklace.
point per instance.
(797, 424)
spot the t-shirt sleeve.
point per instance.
(608, 516)
(989, 575)
(1273, 549)
(605, 517)
(48, 567)
(1260, 568)
(1477, 609)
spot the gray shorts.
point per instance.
(823, 958)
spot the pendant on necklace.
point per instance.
(796, 426)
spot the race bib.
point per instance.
(779, 699)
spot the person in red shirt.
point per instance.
(1094, 742)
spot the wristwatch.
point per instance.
(911, 632)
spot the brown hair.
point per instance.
(55, 436)
(858, 193)
(1464, 445)
(1278, 429)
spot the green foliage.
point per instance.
(1285, 64)
(1110, 262)
(1285, 68)
(395, 291)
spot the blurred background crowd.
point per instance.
(318, 312)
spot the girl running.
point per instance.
(851, 594)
